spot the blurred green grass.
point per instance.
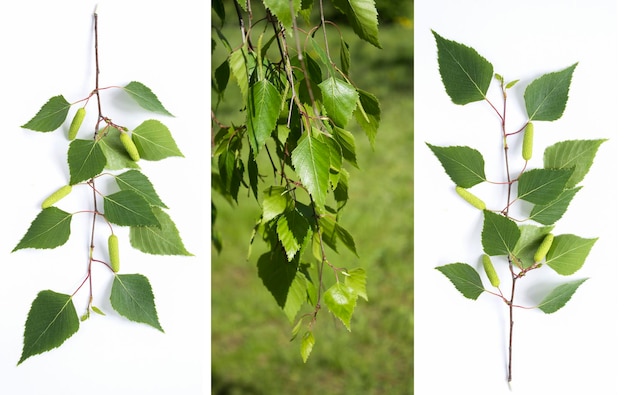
(251, 352)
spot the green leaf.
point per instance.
(559, 296)
(530, 238)
(548, 214)
(51, 115)
(52, 320)
(568, 253)
(347, 143)
(154, 141)
(363, 17)
(85, 159)
(356, 279)
(546, 96)
(137, 182)
(331, 231)
(308, 341)
(499, 235)
(131, 297)
(344, 57)
(145, 98)
(50, 229)
(465, 278)
(311, 159)
(464, 165)
(284, 281)
(222, 75)
(371, 120)
(465, 74)
(116, 155)
(158, 240)
(282, 10)
(340, 99)
(275, 202)
(542, 186)
(97, 310)
(128, 208)
(341, 301)
(239, 69)
(293, 230)
(263, 111)
(576, 154)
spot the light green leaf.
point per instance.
(546, 96)
(464, 165)
(50, 229)
(97, 310)
(52, 320)
(85, 159)
(145, 97)
(568, 253)
(134, 180)
(464, 278)
(363, 17)
(371, 120)
(116, 155)
(542, 186)
(282, 10)
(465, 74)
(51, 115)
(275, 202)
(339, 98)
(551, 212)
(293, 230)
(499, 235)
(263, 111)
(158, 240)
(131, 297)
(311, 159)
(576, 154)
(356, 279)
(341, 301)
(154, 141)
(559, 296)
(239, 69)
(530, 238)
(128, 208)
(308, 341)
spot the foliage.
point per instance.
(546, 191)
(298, 102)
(53, 317)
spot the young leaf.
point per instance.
(275, 202)
(263, 112)
(154, 141)
(158, 240)
(137, 182)
(356, 279)
(311, 159)
(116, 155)
(499, 235)
(52, 320)
(339, 100)
(308, 341)
(559, 296)
(549, 213)
(131, 297)
(465, 74)
(128, 208)
(341, 300)
(464, 278)
(363, 17)
(576, 154)
(85, 159)
(542, 186)
(145, 98)
(282, 10)
(530, 238)
(546, 96)
(293, 230)
(464, 165)
(50, 229)
(568, 253)
(51, 115)
(369, 121)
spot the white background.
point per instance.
(460, 344)
(47, 50)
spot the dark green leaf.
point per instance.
(465, 278)
(50, 229)
(369, 121)
(464, 165)
(548, 214)
(145, 97)
(546, 96)
(542, 186)
(331, 231)
(131, 297)
(154, 141)
(340, 99)
(158, 240)
(134, 180)
(363, 17)
(293, 230)
(347, 143)
(222, 75)
(344, 57)
(85, 159)
(568, 253)
(253, 175)
(576, 154)
(341, 301)
(128, 208)
(263, 111)
(311, 159)
(51, 115)
(559, 296)
(500, 234)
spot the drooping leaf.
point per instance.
(331, 231)
(134, 180)
(371, 120)
(275, 202)
(465, 74)
(128, 208)
(50, 229)
(311, 159)
(218, 7)
(85, 159)
(158, 240)
(282, 10)
(356, 279)
(499, 235)
(222, 75)
(549, 213)
(230, 167)
(344, 57)
(530, 238)
(542, 186)
(341, 191)
(340, 99)
(464, 165)
(568, 253)
(132, 297)
(576, 154)
(239, 69)
(116, 156)
(263, 111)
(559, 296)
(52, 320)
(308, 341)
(145, 97)
(293, 230)
(253, 175)
(154, 141)
(348, 145)
(341, 301)
(464, 278)
(51, 115)
(546, 96)
(363, 17)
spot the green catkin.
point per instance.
(492, 275)
(56, 196)
(544, 247)
(130, 146)
(76, 122)
(114, 253)
(527, 144)
(470, 198)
